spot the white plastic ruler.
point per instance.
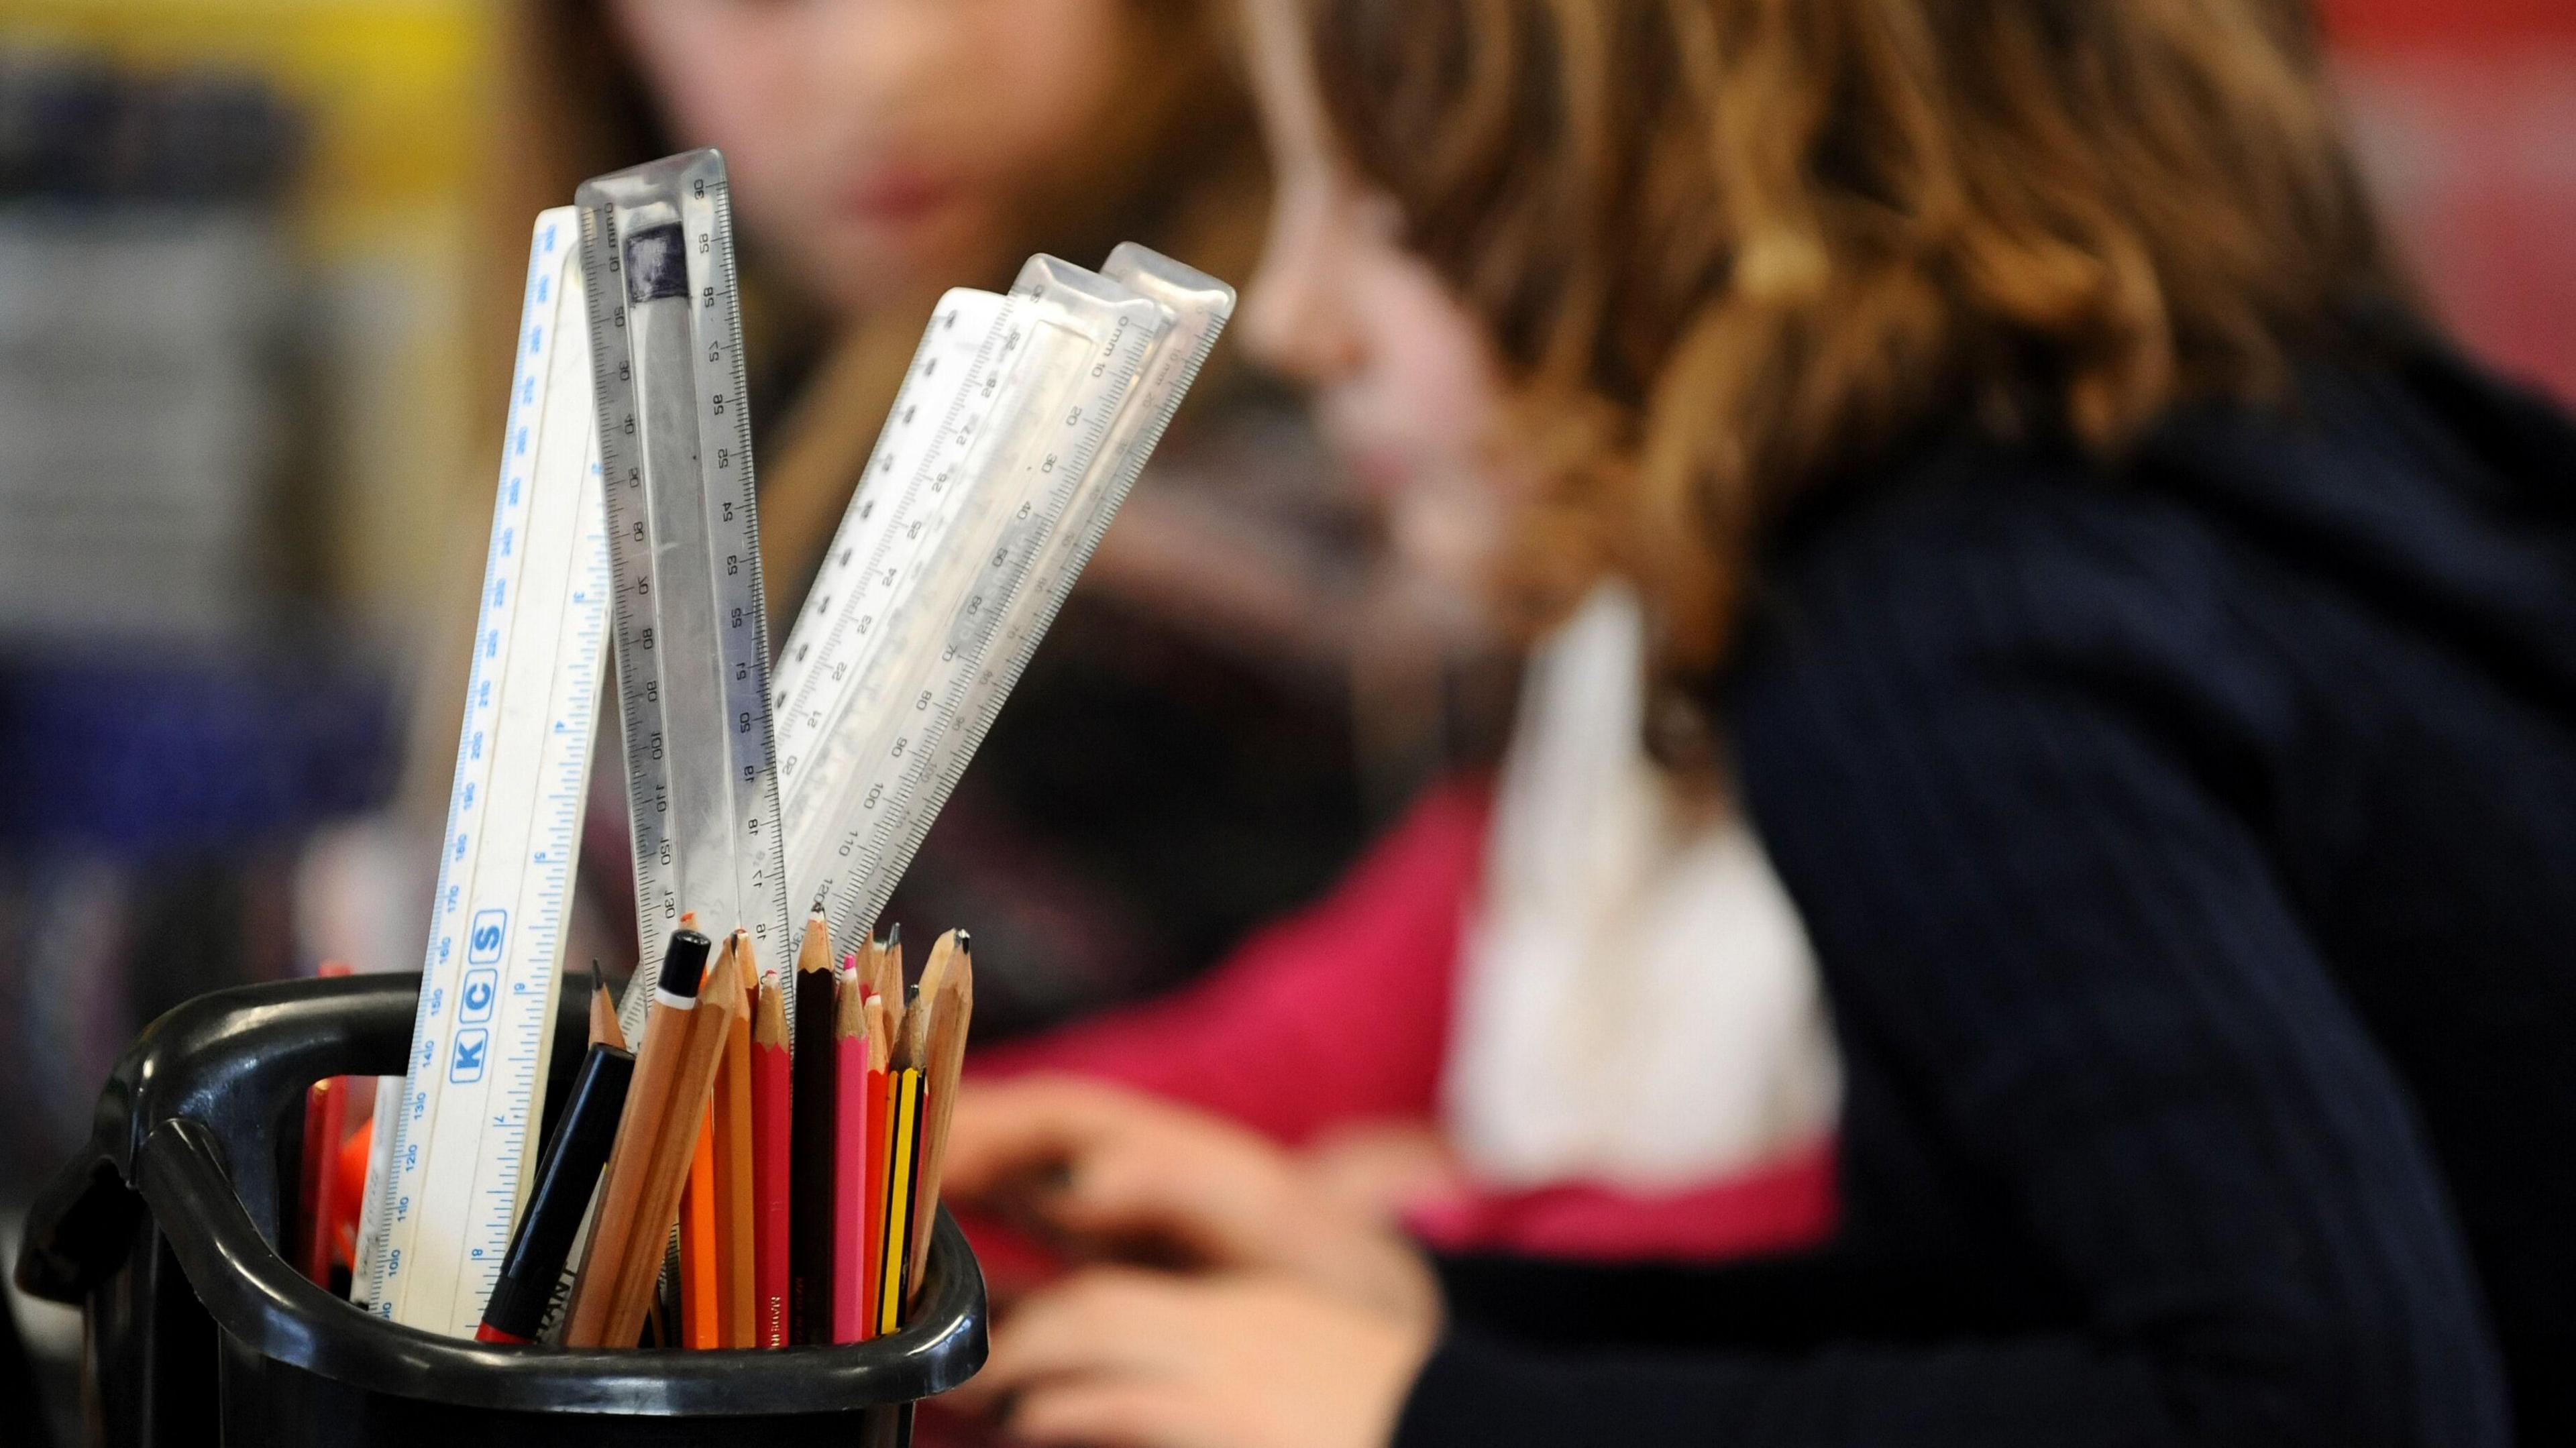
(684, 542)
(462, 1132)
(1000, 465)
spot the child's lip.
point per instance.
(899, 194)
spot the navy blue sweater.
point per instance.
(2190, 855)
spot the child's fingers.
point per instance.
(1008, 1130)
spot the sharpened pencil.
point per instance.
(772, 1136)
(668, 1169)
(886, 979)
(871, 1274)
(735, 1271)
(658, 1066)
(809, 1227)
(604, 1030)
(943, 1061)
(851, 1167)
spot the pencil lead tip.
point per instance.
(965, 943)
(894, 934)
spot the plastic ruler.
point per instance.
(1019, 428)
(684, 543)
(454, 1169)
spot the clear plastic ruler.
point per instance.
(957, 552)
(684, 545)
(950, 397)
(1196, 307)
(462, 1143)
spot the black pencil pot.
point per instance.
(198, 1332)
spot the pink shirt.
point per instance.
(1340, 1014)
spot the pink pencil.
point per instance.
(850, 1162)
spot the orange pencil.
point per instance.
(773, 1133)
(701, 1290)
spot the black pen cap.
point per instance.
(567, 1175)
(684, 964)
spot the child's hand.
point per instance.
(1116, 1173)
(1118, 1358)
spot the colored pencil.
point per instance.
(851, 1166)
(772, 1132)
(736, 1267)
(809, 1226)
(326, 1112)
(880, 1047)
(701, 1284)
(326, 1121)
(658, 1067)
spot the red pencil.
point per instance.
(326, 1107)
(872, 1265)
(773, 1097)
(326, 1120)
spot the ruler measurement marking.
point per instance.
(446, 1201)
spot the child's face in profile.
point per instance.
(1404, 381)
(883, 146)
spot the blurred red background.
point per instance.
(2467, 116)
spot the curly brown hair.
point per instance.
(1728, 248)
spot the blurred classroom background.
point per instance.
(241, 456)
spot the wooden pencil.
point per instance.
(672, 1147)
(943, 1061)
(772, 1135)
(915, 1036)
(851, 1166)
(809, 1223)
(903, 1156)
(880, 1047)
(736, 1269)
(886, 979)
(701, 1284)
(604, 1030)
(658, 1067)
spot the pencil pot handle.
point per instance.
(232, 1061)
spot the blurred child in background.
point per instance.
(1180, 761)
(2027, 901)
